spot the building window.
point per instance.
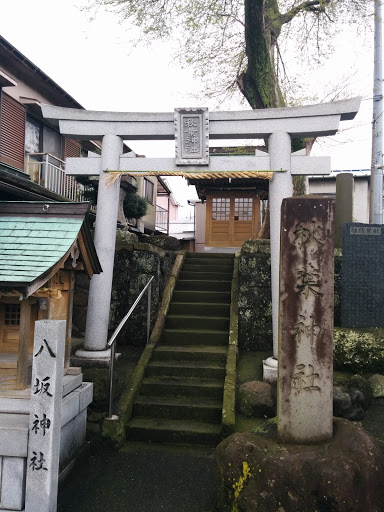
(12, 314)
(148, 190)
(32, 136)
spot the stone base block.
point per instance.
(13, 483)
(93, 359)
(270, 370)
(257, 474)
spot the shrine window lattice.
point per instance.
(12, 314)
(221, 208)
(243, 208)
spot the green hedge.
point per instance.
(359, 350)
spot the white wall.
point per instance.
(327, 186)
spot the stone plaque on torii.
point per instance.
(276, 125)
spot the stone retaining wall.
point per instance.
(135, 263)
(255, 301)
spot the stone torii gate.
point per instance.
(191, 134)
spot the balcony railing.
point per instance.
(162, 222)
(48, 171)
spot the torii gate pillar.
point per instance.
(279, 188)
(100, 288)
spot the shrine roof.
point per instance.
(36, 238)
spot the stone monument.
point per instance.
(305, 382)
(311, 462)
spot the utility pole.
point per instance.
(377, 123)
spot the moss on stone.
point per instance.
(342, 475)
(250, 366)
(166, 242)
(229, 396)
(267, 429)
(255, 311)
(244, 424)
(125, 240)
(256, 246)
(113, 432)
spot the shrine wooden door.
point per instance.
(232, 218)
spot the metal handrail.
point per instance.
(111, 342)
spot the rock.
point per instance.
(348, 405)
(358, 383)
(377, 385)
(256, 245)
(168, 243)
(125, 239)
(352, 398)
(257, 474)
(342, 402)
(256, 399)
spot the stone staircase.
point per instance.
(181, 395)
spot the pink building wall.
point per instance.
(173, 209)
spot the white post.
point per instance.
(377, 171)
(279, 188)
(96, 334)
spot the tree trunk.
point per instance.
(259, 83)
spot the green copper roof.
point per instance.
(31, 245)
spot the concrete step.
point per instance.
(211, 267)
(202, 409)
(194, 337)
(186, 369)
(207, 353)
(202, 296)
(201, 309)
(216, 275)
(211, 259)
(180, 386)
(194, 284)
(211, 254)
(187, 322)
(173, 431)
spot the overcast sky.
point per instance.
(95, 64)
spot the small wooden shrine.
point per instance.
(42, 245)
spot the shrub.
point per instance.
(359, 350)
(134, 206)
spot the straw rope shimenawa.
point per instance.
(113, 176)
